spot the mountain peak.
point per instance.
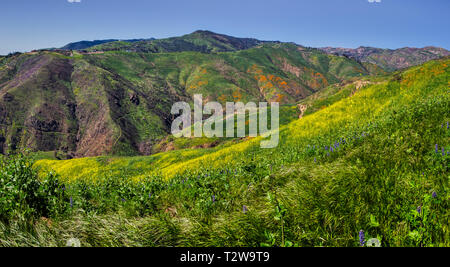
(204, 32)
(199, 41)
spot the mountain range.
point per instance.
(114, 97)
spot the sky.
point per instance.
(34, 24)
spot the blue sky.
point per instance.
(32, 24)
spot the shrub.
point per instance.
(23, 195)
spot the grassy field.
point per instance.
(370, 160)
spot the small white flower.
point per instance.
(373, 243)
(73, 242)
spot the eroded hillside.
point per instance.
(90, 104)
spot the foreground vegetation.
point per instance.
(373, 164)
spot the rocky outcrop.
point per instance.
(302, 109)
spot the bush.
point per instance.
(23, 195)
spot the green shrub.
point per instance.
(23, 195)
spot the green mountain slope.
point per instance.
(79, 104)
(348, 110)
(88, 44)
(199, 41)
(375, 161)
(50, 102)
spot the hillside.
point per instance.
(389, 59)
(118, 103)
(199, 41)
(210, 42)
(81, 45)
(115, 98)
(374, 160)
(350, 107)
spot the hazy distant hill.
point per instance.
(389, 59)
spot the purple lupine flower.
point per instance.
(434, 195)
(332, 150)
(443, 151)
(149, 195)
(436, 148)
(123, 200)
(244, 209)
(328, 154)
(315, 160)
(447, 125)
(71, 202)
(419, 209)
(213, 198)
(362, 238)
